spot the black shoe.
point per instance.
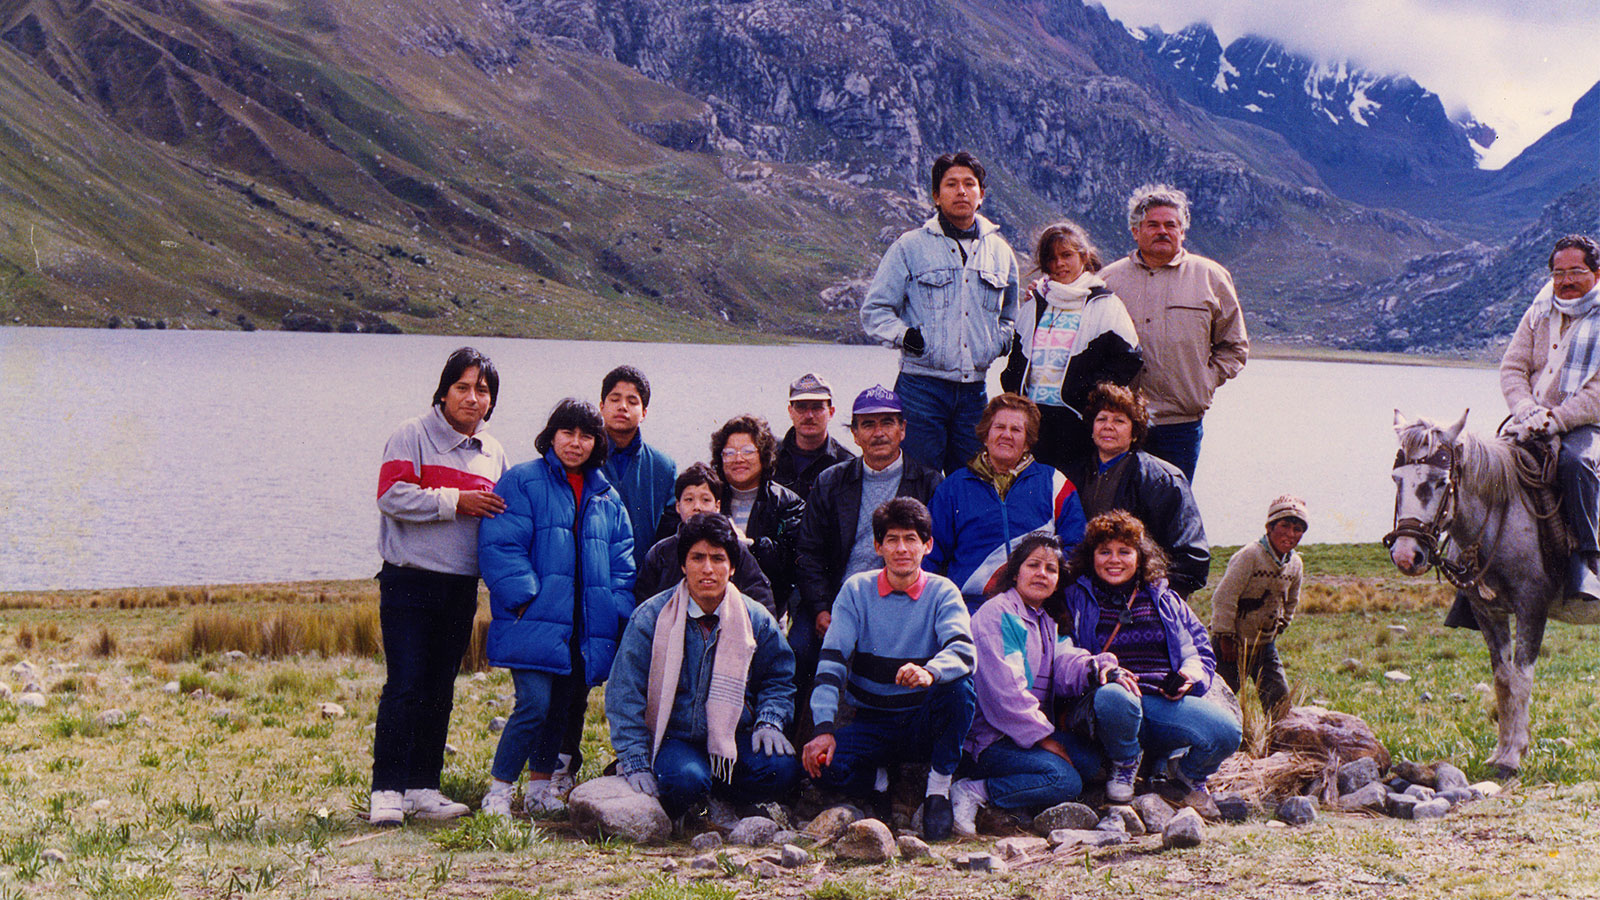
(880, 806)
(1582, 582)
(938, 818)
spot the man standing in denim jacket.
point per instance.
(946, 295)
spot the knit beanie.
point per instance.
(1287, 506)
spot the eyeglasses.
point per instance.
(730, 453)
(1570, 274)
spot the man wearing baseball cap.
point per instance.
(808, 449)
(1255, 602)
(835, 539)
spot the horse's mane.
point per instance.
(1491, 469)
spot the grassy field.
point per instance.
(236, 783)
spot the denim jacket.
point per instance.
(768, 691)
(966, 312)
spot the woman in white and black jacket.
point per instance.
(1072, 333)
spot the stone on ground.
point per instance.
(1012, 847)
(32, 700)
(1298, 811)
(1419, 792)
(912, 847)
(1416, 773)
(1233, 808)
(1065, 815)
(1154, 811)
(331, 710)
(53, 855)
(1447, 776)
(1186, 829)
(792, 857)
(1131, 823)
(498, 724)
(1487, 788)
(1077, 837)
(763, 868)
(706, 861)
(705, 842)
(1397, 676)
(1400, 806)
(868, 840)
(111, 716)
(753, 831)
(1357, 774)
(608, 806)
(1437, 808)
(978, 862)
(1368, 797)
(831, 822)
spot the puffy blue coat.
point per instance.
(974, 530)
(535, 561)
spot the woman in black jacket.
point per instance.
(765, 514)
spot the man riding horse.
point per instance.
(1548, 376)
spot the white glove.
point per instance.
(1518, 431)
(1523, 409)
(1541, 423)
(769, 741)
(644, 783)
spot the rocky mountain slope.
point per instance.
(1367, 134)
(606, 168)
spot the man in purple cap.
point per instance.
(835, 539)
(808, 449)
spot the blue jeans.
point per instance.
(1578, 473)
(683, 773)
(932, 731)
(807, 646)
(1018, 777)
(427, 621)
(1178, 443)
(1160, 726)
(534, 730)
(941, 420)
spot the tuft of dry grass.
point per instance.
(347, 631)
(103, 645)
(477, 658)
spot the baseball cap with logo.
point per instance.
(810, 387)
(876, 399)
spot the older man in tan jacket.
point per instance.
(1186, 311)
(1548, 376)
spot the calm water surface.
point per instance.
(150, 458)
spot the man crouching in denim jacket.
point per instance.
(703, 686)
(946, 296)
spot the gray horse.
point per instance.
(1481, 511)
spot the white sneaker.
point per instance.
(386, 808)
(562, 783)
(540, 797)
(428, 803)
(967, 796)
(1119, 789)
(498, 801)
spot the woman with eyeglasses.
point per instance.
(1118, 602)
(764, 513)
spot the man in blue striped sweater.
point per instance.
(900, 649)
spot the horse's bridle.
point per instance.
(1433, 535)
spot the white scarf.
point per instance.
(730, 667)
(1073, 295)
(1576, 357)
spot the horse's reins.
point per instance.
(1434, 535)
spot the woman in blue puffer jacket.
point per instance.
(560, 571)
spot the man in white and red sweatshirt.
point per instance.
(436, 483)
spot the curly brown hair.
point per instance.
(760, 434)
(1118, 525)
(1117, 398)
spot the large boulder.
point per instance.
(1332, 737)
(608, 806)
(831, 822)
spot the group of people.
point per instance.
(995, 587)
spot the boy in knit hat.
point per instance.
(1255, 602)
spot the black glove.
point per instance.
(913, 342)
